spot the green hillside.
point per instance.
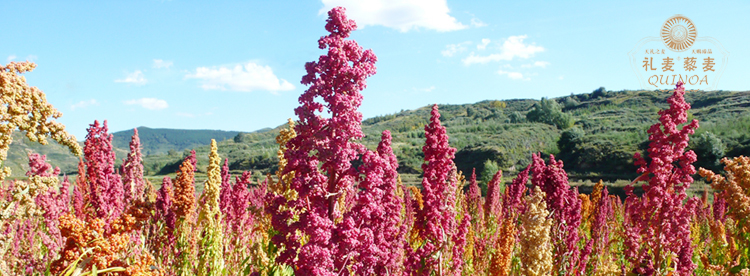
(57, 155)
(595, 134)
(607, 128)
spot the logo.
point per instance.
(678, 33)
(678, 54)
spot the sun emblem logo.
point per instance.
(678, 33)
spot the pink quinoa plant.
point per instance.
(132, 171)
(225, 197)
(105, 186)
(378, 213)
(513, 196)
(164, 199)
(321, 154)
(53, 203)
(565, 206)
(657, 223)
(719, 206)
(493, 205)
(474, 200)
(436, 222)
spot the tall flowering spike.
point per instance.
(184, 206)
(78, 202)
(163, 241)
(25, 108)
(240, 198)
(474, 201)
(286, 134)
(719, 206)
(132, 171)
(392, 237)
(225, 198)
(459, 244)
(184, 190)
(277, 200)
(407, 227)
(164, 200)
(595, 196)
(601, 228)
(565, 206)
(212, 244)
(377, 240)
(193, 160)
(53, 202)
(552, 179)
(320, 155)
(492, 204)
(536, 246)
(81, 191)
(658, 223)
(105, 187)
(501, 260)
(512, 199)
(671, 166)
(436, 222)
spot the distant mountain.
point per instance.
(155, 141)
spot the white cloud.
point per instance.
(542, 64)
(483, 45)
(84, 104)
(158, 63)
(512, 47)
(398, 14)
(476, 23)
(149, 103)
(512, 75)
(452, 49)
(28, 58)
(136, 78)
(560, 77)
(185, 114)
(246, 78)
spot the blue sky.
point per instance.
(237, 65)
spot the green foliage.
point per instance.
(490, 168)
(569, 139)
(550, 112)
(516, 118)
(710, 149)
(598, 93)
(488, 171)
(570, 103)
